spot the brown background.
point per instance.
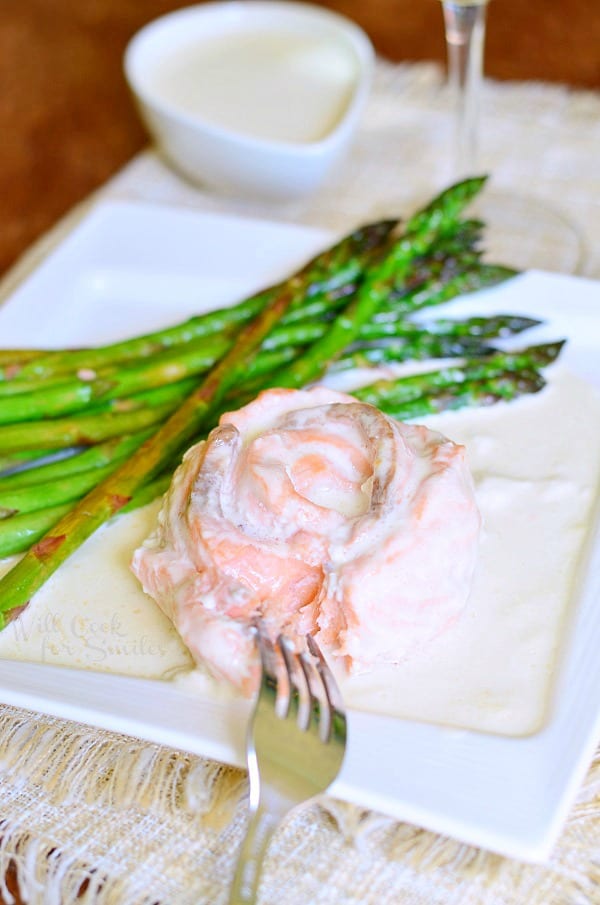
(66, 121)
(67, 124)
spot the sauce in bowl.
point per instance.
(259, 98)
(279, 85)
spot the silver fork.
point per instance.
(295, 747)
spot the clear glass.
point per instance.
(465, 37)
(547, 240)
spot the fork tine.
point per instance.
(329, 683)
(322, 695)
(319, 702)
(330, 686)
(314, 699)
(266, 651)
(272, 673)
(287, 766)
(299, 685)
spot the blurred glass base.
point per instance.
(528, 234)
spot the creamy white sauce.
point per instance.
(277, 85)
(536, 464)
(92, 614)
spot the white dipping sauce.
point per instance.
(536, 464)
(92, 614)
(281, 86)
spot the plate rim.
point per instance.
(529, 821)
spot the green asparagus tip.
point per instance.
(546, 353)
(514, 324)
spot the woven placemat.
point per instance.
(116, 820)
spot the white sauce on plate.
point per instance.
(92, 614)
(536, 464)
(278, 85)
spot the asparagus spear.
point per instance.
(416, 345)
(64, 397)
(391, 354)
(53, 493)
(19, 532)
(28, 399)
(387, 394)
(360, 245)
(342, 263)
(98, 426)
(14, 358)
(116, 490)
(25, 458)
(390, 322)
(437, 339)
(426, 347)
(7, 437)
(492, 327)
(85, 391)
(69, 480)
(94, 457)
(197, 411)
(441, 290)
(112, 420)
(467, 234)
(71, 391)
(86, 383)
(502, 386)
(419, 235)
(422, 347)
(67, 396)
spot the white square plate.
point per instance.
(129, 268)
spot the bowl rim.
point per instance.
(359, 40)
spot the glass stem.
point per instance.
(465, 35)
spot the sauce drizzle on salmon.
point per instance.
(323, 516)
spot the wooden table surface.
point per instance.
(67, 123)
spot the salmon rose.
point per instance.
(319, 515)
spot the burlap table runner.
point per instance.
(118, 820)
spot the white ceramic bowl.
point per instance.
(264, 131)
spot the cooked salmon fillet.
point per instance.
(320, 515)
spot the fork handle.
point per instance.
(261, 828)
